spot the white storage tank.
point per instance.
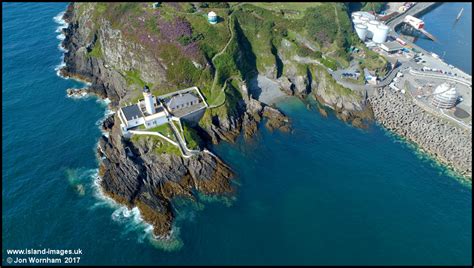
(364, 19)
(371, 27)
(212, 17)
(359, 21)
(366, 15)
(445, 96)
(361, 31)
(355, 15)
(380, 34)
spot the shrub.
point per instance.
(304, 51)
(185, 40)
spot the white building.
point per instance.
(182, 100)
(212, 17)
(445, 96)
(145, 112)
(415, 22)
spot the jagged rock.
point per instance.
(302, 86)
(276, 119)
(149, 181)
(286, 85)
(108, 123)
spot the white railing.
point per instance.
(141, 132)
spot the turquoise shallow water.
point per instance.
(325, 194)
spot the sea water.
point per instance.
(327, 193)
(454, 37)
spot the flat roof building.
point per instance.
(391, 47)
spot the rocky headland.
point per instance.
(131, 172)
(118, 48)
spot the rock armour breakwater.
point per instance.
(441, 139)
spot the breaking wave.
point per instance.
(133, 222)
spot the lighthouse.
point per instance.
(148, 99)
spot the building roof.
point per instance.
(131, 111)
(181, 99)
(391, 46)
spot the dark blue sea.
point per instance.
(327, 193)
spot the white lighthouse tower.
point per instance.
(148, 99)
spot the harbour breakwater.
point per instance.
(447, 143)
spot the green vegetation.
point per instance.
(330, 26)
(304, 51)
(373, 6)
(320, 23)
(214, 36)
(133, 77)
(258, 31)
(191, 136)
(214, 5)
(289, 10)
(328, 62)
(159, 145)
(320, 73)
(151, 25)
(117, 13)
(374, 61)
(164, 130)
(188, 7)
(96, 51)
(181, 71)
(186, 40)
(232, 96)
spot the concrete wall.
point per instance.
(194, 117)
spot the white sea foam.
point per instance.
(59, 18)
(62, 25)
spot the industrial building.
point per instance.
(391, 47)
(444, 96)
(367, 27)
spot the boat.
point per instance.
(460, 14)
